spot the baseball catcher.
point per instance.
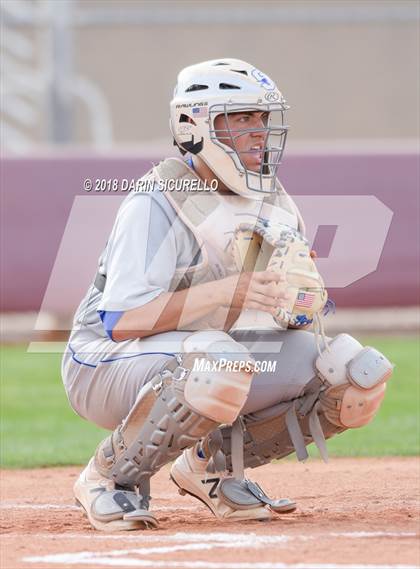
(192, 345)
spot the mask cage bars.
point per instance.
(273, 144)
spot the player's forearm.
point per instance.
(169, 311)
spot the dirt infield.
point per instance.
(351, 512)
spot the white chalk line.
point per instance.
(372, 534)
(96, 559)
(205, 542)
(149, 537)
(63, 507)
(70, 559)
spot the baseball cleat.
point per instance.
(226, 497)
(109, 508)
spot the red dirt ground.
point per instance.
(377, 498)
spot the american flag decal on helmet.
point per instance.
(200, 111)
(305, 299)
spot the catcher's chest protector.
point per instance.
(213, 218)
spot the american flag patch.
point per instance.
(200, 111)
(305, 299)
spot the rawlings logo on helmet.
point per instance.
(272, 97)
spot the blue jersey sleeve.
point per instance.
(109, 320)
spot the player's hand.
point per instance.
(264, 290)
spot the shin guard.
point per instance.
(178, 407)
(349, 389)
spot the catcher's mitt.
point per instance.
(283, 250)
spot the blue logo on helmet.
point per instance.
(263, 80)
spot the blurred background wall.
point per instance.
(85, 91)
(100, 72)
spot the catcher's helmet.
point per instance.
(224, 86)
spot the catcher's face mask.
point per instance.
(232, 116)
(255, 141)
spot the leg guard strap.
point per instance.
(279, 431)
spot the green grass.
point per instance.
(40, 429)
(395, 429)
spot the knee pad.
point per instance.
(220, 375)
(346, 394)
(355, 381)
(200, 389)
